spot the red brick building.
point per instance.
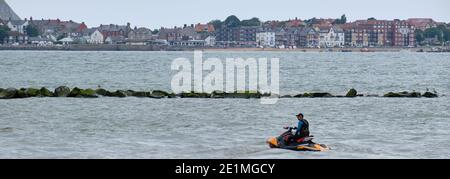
(379, 33)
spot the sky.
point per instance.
(169, 13)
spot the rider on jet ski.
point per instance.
(302, 128)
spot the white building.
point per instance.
(331, 37)
(17, 25)
(96, 38)
(210, 41)
(265, 39)
(67, 40)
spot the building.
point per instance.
(331, 36)
(226, 36)
(309, 38)
(404, 34)
(295, 23)
(179, 34)
(17, 25)
(265, 39)
(67, 41)
(281, 40)
(114, 30)
(242, 36)
(379, 33)
(41, 41)
(204, 28)
(140, 34)
(14, 37)
(422, 23)
(96, 38)
(6, 13)
(57, 27)
(187, 43)
(116, 40)
(247, 35)
(210, 41)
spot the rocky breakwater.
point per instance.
(66, 92)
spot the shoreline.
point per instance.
(106, 47)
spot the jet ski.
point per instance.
(288, 141)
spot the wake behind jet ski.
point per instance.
(301, 140)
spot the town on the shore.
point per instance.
(229, 33)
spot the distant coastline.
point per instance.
(105, 47)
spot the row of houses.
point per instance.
(323, 33)
(362, 33)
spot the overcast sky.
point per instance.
(157, 13)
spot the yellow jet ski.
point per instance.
(288, 141)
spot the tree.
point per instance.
(3, 33)
(342, 20)
(372, 19)
(311, 21)
(32, 31)
(434, 33)
(156, 31)
(216, 23)
(232, 21)
(419, 36)
(251, 22)
(445, 32)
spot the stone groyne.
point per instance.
(63, 91)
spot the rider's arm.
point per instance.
(299, 127)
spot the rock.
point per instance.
(62, 91)
(244, 94)
(8, 93)
(314, 95)
(129, 92)
(87, 93)
(195, 95)
(352, 93)
(322, 95)
(75, 92)
(218, 94)
(392, 95)
(44, 92)
(32, 92)
(404, 94)
(430, 95)
(160, 94)
(21, 93)
(120, 94)
(253, 94)
(141, 94)
(172, 95)
(103, 92)
(412, 95)
(299, 95)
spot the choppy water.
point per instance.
(223, 128)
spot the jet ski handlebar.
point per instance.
(290, 128)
